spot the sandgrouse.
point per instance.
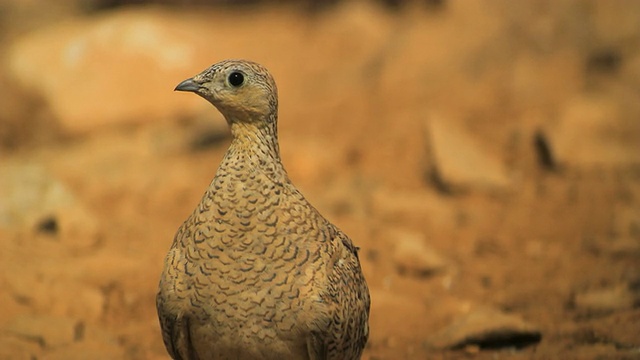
(255, 272)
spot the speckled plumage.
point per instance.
(255, 272)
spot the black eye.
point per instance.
(236, 78)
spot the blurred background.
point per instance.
(484, 155)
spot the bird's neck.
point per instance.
(255, 147)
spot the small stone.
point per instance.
(87, 303)
(33, 198)
(48, 225)
(30, 194)
(595, 131)
(411, 206)
(49, 331)
(101, 269)
(95, 350)
(486, 327)
(51, 295)
(625, 246)
(606, 300)
(616, 247)
(459, 162)
(14, 348)
(412, 255)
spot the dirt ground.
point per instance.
(497, 141)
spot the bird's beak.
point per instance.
(188, 85)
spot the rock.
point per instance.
(148, 52)
(99, 334)
(86, 303)
(14, 348)
(412, 255)
(65, 298)
(32, 198)
(103, 268)
(486, 327)
(625, 246)
(51, 289)
(86, 350)
(24, 120)
(595, 131)
(65, 64)
(29, 195)
(121, 66)
(459, 162)
(411, 206)
(606, 300)
(49, 331)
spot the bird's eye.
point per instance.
(236, 78)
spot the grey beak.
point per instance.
(188, 85)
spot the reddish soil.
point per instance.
(558, 246)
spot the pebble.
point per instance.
(48, 331)
(460, 163)
(412, 255)
(609, 299)
(486, 327)
(592, 131)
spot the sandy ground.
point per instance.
(545, 233)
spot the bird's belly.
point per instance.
(249, 312)
(246, 342)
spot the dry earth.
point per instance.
(484, 155)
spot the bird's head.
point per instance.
(243, 91)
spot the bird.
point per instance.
(255, 271)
